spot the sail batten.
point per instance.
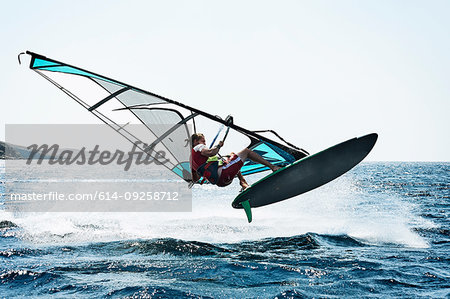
(113, 95)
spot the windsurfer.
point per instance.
(204, 162)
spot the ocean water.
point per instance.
(381, 230)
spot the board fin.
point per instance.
(247, 209)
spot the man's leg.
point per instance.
(242, 181)
(246, 153)
(241, 178)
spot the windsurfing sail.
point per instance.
(169, 123)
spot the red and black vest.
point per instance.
(206, 169)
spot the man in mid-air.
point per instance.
(204, 163)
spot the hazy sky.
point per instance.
(317, 72)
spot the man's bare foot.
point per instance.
(275, 168)
(244, 185)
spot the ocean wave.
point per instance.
(12, 252)
(291, 294)
(340, 240)
(5, 224)
(174, 247)
(396, 283)
(245, 249)
(23, 276)
(151, 292)
(441, 233)
(300, 242)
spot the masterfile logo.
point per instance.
(140, 153)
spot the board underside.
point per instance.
(308, 173)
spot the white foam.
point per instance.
(338, 208)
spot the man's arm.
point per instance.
(210, 152)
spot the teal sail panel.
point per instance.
(49, 65)
(270, 153)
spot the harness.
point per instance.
(209, 171)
